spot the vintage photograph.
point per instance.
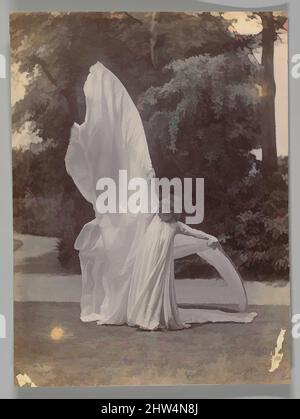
(150, 198)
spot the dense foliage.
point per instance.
(196, 89)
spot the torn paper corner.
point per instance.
(277, 356)
(24, 379)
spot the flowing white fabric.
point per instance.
(112, 138)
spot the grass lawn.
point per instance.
(54, 348)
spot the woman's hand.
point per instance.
(212, 242)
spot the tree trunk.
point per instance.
(268, 122)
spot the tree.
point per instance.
(196, 89)
(271, 27)
(56, 50)
(201, 123)
(269, 149)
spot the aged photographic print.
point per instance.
(150, 193)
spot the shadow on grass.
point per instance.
(17, 244)
(44, 264)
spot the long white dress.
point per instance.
(115, 276)
(152, 300)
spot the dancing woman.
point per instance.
(127, 260)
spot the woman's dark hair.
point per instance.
(174, 216)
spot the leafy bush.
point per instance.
(256, 238)
(38, 215)
(200, 106)
(261, 233)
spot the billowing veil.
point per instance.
(110, 139)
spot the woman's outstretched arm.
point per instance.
(188, 231)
